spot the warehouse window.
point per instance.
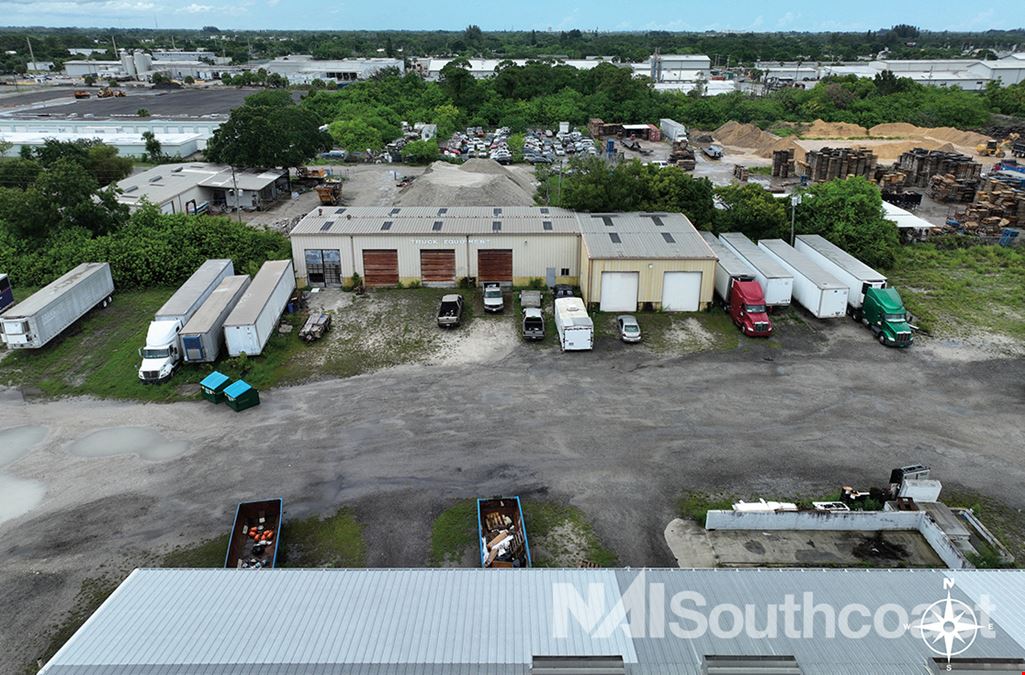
(668, 237)
(387, 225)
(327, 225)
(565, 271)
(437, 226)
(547, 225)
(496, 226)
(615, 238)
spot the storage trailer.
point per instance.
(575, 328)
(815, 289)
(777, 283)
(250, 325)
(856, 275)
(203, 335)
(740, 292)
(163, 350)
(45, 314)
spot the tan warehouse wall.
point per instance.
(651, 273)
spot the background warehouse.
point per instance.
(620, 260)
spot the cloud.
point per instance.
(195, 8)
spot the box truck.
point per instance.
(163, 350)
(741, 293)
(575, 328)
(250, 325)
(815, 289)
(203, 336)
(776, 282)
(45, 314)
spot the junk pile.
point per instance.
(999, 203)
(920, 165)
(830, 163)
(948, 188)
(259, 542)
(740, 172)
(316, 325)
(783, 163)
(502, 541)
(682, 156)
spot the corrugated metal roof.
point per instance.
(485, 621)
(754, 256)
(728, 260)
(255, 298)
(640, 236)
(166, 181)
(840, 257)
(184, 299)
(47, 294)
(801, 264)
(455, 220)
(903, 218)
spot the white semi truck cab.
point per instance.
(162, 352)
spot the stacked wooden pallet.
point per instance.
(829, 163)
(921, 165)
(999, 203)
(783, 163)
(947, 188)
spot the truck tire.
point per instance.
(882, 339)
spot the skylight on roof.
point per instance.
(668, 237)
(615, 238)
(387, 225)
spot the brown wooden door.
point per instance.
(380, 267)
(494, 264)
(437, 267)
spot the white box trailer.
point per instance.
(45, 314)
(250, 325)
(815, 289)
(672, 130)
(776, 281)
(849, 270)
(729, 266)
(575, 328)
(191, 295)
(203, 335)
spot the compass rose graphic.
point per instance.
(949, 627)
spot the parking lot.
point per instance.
(620, 433)
(215, 102)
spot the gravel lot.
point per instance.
(619, 433)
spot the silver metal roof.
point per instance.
(256, 296)
(800, 263)
(444, 621)
(222, 297)
(167, 181)
(185, 297)
(840, 257)
(47, 294)
(642, 235)
(728, 260)
(756, 257)
(454, 220)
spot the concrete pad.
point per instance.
(690, 545)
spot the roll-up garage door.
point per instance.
(380, 267)
(437, 268)
(494, 265)
(681, 291)
(619, 291)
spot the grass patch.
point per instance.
(209, 553)
(332, 541)
(696, 505)
(453, 533)
(676, 332)
(759, 170)
(1005, 523)
(93, 592)
(561, 536)
(960, 291)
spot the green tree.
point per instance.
(89, 80)
(355, 135)
(188, 79)
(849, 213)
(267, 132)
(420, 152)
(154, 151)
(753, 210)
(142, 112)
(18, 172)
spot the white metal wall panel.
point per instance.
(619, 291)
(681, 291)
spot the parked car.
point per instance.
(629, 329)
(713, 152)
(562, 291)
(494, 301)
(450, 312)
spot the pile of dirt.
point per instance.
(896, 130)
(950, 135)
(745, 136)
(786, 143)
(820, 129)
(956, 136)
(478, 182)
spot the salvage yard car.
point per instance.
(450, 312)
(629, 329)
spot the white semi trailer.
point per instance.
(815, 289)
(777, 283)
(250, 325)
(45, 314)
(203, 336)
(858, 276)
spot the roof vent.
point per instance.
(668, 237)
(615, 238)
(442, 211)
(155, 179)
(132, 188)
(327, 225)
(498, 211)
(387, 225)
(394, 212)
(496, 226)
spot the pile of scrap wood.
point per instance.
(830, 163)
(740, 172)
(503, 541)
(316, 325)
(783, 163)
(947, 188)
(921, 165)
(890, 180)
(682, 156)
(999, 203)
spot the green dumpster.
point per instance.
(240, 396)
(213, 386)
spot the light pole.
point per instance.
(795, 199)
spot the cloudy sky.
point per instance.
(682, 15)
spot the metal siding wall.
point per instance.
(340, 243)
(533, 254)
(650, 289)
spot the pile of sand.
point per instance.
(745, 136)
(820, 129)
(957, 137)
(895, 130)
(478, 182)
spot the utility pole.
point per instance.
(795, 199)
(238, 202)
(31, 55)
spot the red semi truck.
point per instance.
(741, 293)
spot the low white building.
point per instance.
(195, 187)
(304, 69)
(176, 137)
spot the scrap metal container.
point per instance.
(45, 314)
(203, 335)
(776, 281)
(729, 266)
(191, 295)
(846, 268)
(815, 289)
(250, 325)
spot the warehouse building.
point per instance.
(195, 187)
(651, 260)
(553, 622)
(435, 246)
(304, 69)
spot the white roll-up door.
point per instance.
(619, 291)
(681, 291)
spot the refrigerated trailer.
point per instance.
(203, 335)
(45, 314)
(815, 289)
(857, 276)
(777, 283)
(250, 325)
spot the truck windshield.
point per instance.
(155, 353)
(755, 309)
(897, 318)
(492, 293)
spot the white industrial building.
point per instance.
(182, 138)
(304, 69)
(967, 74)
(196, 187)
(142, 65)
(483, 68)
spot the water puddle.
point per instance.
(146, 443)
(15, 442)
(18, 497)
